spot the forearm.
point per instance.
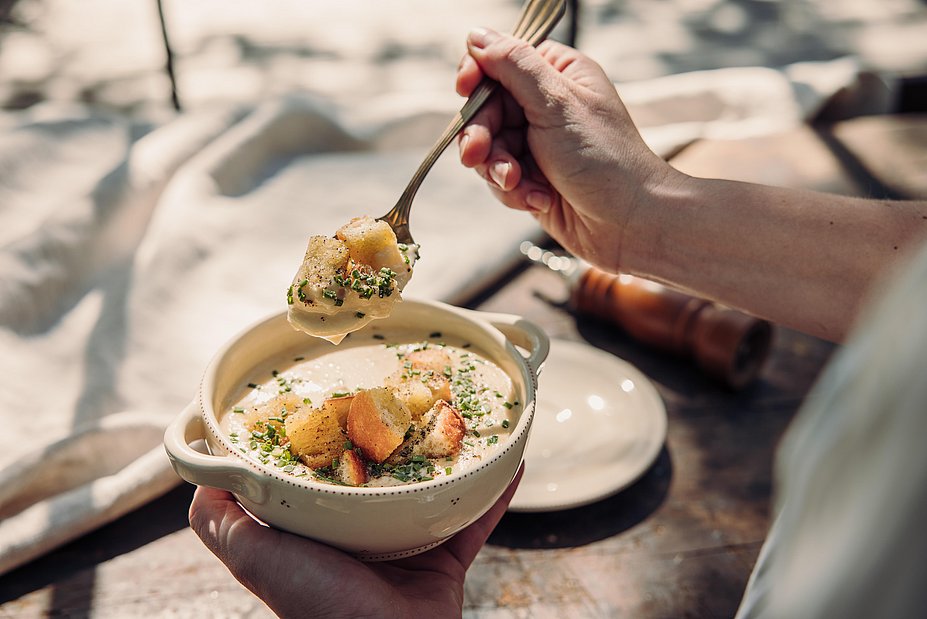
(799, 258)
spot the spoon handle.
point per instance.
(480, 95)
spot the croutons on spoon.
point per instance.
(348, 280)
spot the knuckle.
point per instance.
(517, 52)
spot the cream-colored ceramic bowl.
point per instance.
(371, 523)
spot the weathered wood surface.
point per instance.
(678, 543)
(892, 149)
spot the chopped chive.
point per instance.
(238, 409)
(505, 423)
(253, 386)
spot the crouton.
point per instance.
(340, 407)
(349, 280)
(440, 387)
(419, 392)
(443, 433)
(377, 422)
(435, 366)
(439, 435)
(325, 258)
(416, 395)
(435, 359)
(351, 469)
(315, 434)
(372, 242)
(274, 411)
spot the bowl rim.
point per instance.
(516, 437)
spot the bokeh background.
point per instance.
(111, 53)
(134, 240)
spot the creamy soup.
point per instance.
(350, 279)
(338, 416)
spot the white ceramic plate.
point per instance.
(599, 425)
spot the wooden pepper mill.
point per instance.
(726, 344)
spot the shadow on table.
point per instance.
(78, 559)
(590, 523)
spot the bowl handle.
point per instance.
(225, 472)
(523, 333)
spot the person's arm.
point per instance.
(803, 259)
(559, 143)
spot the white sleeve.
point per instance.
(850, 534)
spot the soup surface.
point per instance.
(382, 408)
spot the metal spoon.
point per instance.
(537, 19)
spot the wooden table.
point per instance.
(680, 542)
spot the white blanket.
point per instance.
(126, 261)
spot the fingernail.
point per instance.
(481, 37)
(464, 138)
(499, 171)
(538, 200)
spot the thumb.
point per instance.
(519, 67)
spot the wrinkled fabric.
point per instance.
(126, 263)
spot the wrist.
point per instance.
(660, 201)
